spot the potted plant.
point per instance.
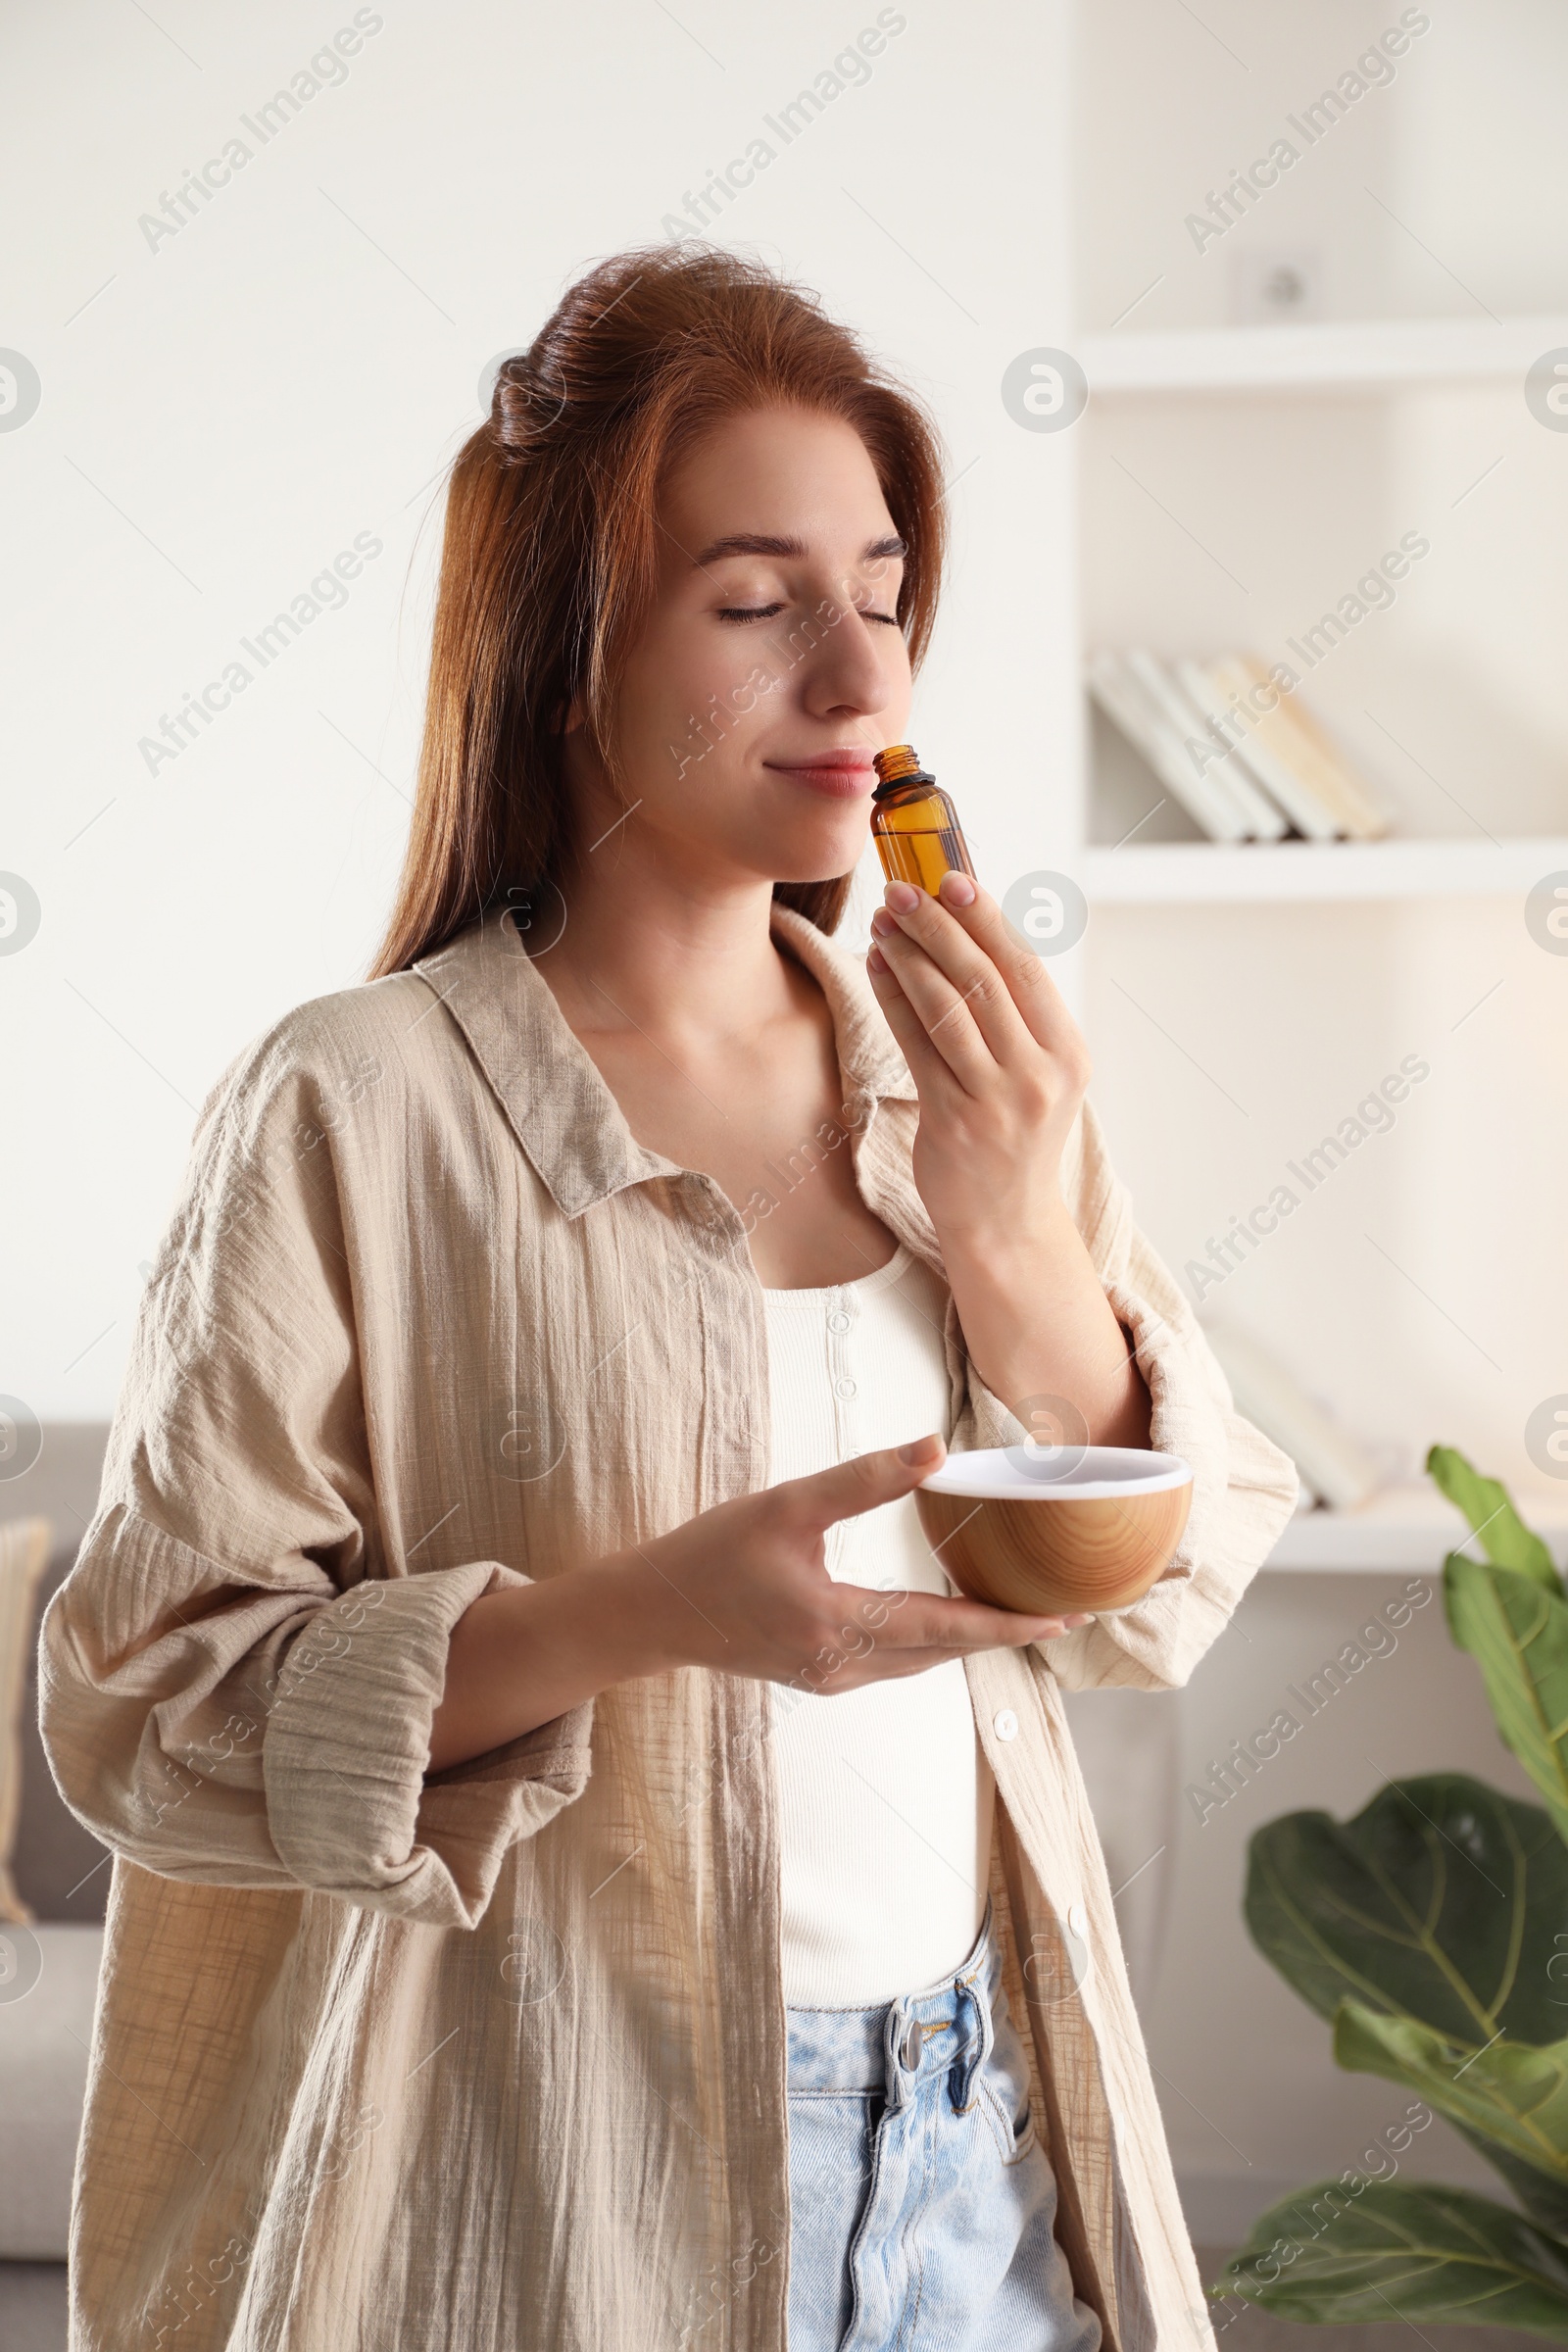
(1432, 1932)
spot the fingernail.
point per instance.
(903, 896)
(875, 960)
(882, 922)
(956, 889)
(919, 1450)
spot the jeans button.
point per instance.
(909, 2054)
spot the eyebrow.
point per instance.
(761, 543)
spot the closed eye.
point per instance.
(750, 612)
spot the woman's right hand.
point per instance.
(744, 1589)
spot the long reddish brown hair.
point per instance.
(550, 551)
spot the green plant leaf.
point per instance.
(1514, 2092)
(1544, 2199)
(1517, 1633)
(1486, 1504)
(1439, 1901)
(1398, 2253)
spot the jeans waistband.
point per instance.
(893, 2045)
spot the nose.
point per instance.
(845, 671)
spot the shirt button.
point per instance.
(1078, 1919)
(1006, 1724)
(844, 1387)
(838, 1320)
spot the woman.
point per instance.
(583, 1875)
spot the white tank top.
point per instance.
(886, 1795)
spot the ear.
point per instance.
(569, 716)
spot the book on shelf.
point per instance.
(1242, 773)
(1256, 814)
(1216, 687)
(1313, 755)
(1125, 698)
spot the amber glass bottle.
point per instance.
(913, 824)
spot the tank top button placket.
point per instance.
(839, 1320)
(843, 1308)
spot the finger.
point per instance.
(888, 1662)
(927, 1067)
(924, 1621)
(963, 961)
(969, 1016)
(863, 1483)
(1040, 1002)
(943, 1022)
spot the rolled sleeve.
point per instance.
(349, 1809)
(1244, 1486)
(273, 1739)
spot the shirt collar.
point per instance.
(563, 1113)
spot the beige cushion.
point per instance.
(23, 1551)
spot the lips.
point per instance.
(840, 774)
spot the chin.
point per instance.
(824, 857)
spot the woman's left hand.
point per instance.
(999, 1063)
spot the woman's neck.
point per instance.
(680, 957)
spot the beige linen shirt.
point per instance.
(494, 2057)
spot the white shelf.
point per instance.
(1408, 1527)
(1198, 872)
(1354, 355)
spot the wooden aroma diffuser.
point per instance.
(1090, 1529)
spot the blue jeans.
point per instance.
(921, 2203)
